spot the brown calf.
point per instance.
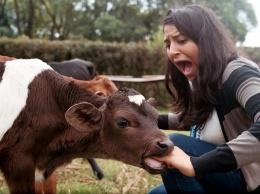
(99, 85)
(6, 58)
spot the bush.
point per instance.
(134, 59)
(109, 58)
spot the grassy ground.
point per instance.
(119, 178)
(77, 178)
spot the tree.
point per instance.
(25, 16)
(5, 29)
(109, 28)
(110, 20)
(242, 17)
(132, 19)
(61, 14)
(237, 15)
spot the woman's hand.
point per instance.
(180, 160)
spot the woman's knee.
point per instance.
(177, 136)
(190, 145)
(179, 139)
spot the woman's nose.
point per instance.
(174, 52)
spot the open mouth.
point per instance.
(154, 166)
(186, 67)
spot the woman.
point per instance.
(216, 94)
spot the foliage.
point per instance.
(242, 19)
(156, 41)
(112, 20)
(109, 27)
(5, 26)
(252, 53)
(110, 58)
(130, 59)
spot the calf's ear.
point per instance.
(84, 116)
(100, 93)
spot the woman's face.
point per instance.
(182, 51)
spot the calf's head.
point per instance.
(127, 126)
(104, 86)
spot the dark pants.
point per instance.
(176, 182)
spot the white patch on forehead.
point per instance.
(39, 175)
(17, 76)
(137, 99)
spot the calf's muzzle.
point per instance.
(156, 167)
(166, 145)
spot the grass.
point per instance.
(77, 178)
(120, 178)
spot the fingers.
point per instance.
(177, 158)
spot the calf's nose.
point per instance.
(165, 145)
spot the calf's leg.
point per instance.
(38, 188)
(20, 179)
(48, 186)
(96, 169)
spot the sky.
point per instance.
(253, 36)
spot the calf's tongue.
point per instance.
(154, 163)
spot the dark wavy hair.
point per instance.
(196, 101)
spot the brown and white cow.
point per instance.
(46, 121)
(99, 85)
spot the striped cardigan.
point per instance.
(239, 115)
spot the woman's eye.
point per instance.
(167, 46)
(182, 41)
(122, 123)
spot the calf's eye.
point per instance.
(121, 122)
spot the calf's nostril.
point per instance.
(165, 144)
